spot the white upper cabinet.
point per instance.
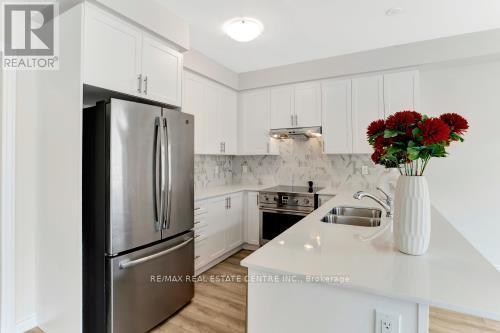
(282, 112)
(367, 106)
(336, 114)
(120, 57)
(296, 105)
(193, 102)
(228, 121)
(210, 123)
(161, 71)
(307, 104)
(401, 92)
(215, 108)
(112, 52)
(254, 123)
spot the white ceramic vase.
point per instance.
(412, 215)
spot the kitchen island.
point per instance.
(321, 277)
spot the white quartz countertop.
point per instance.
(451, 275)
(216, 191)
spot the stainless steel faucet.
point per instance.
(387, 204)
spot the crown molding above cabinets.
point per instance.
(121, 57)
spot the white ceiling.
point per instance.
(302, 30)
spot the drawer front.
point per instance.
(137, 301)
(200, 208)
(200, 253)
(200, 234)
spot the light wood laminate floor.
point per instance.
(220, 307)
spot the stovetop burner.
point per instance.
(291, 189)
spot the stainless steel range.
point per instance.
(283, 206)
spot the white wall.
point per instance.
(465, 187)
(26, 204)
(48, 201)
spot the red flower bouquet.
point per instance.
(407, 140)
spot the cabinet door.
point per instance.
(192, 102)
(228, 120)
(254, 119)
(162, 72)
(400, 92)
(337, 122)
(252, 218)
(212, 137)
(307, 104)
(282, 107)
(112, 52)
(216, 230)
(234, 221)
(367, 106)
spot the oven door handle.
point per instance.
(278, 210)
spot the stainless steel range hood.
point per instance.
(296, 133)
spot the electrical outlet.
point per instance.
(216, 170)
(387, 322)
(364, 170)
(244, 169)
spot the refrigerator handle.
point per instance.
(126, 264)
(155, 173)
(166, 224)
(162, 172)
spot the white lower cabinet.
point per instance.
(218, 228)
(234, 221)
(252, 218)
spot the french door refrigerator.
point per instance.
(138, 201)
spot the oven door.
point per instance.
(274, 221)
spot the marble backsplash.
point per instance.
(298, 162)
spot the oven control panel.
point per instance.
(284, 200)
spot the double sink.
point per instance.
(362, 217)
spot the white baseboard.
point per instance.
(26, 323)
(250, 247)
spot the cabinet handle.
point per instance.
(229, 202)
(146, 85)
(296, 120)
(291, 119)
(223, 147)
(139, 83)
(257, 199)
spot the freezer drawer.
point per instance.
(140, 295)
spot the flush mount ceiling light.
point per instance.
(393, 11)
(243, 29)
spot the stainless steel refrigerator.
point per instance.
(138, 198)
